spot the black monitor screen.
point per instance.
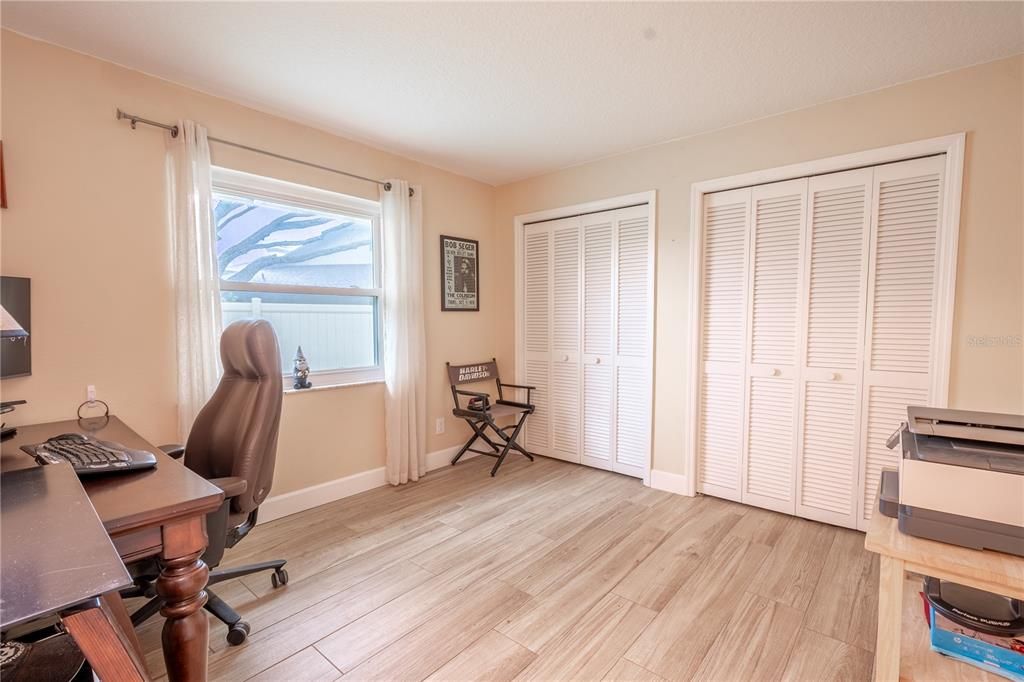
(16, 348)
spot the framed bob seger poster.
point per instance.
(460, 274)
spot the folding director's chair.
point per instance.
(480, 413)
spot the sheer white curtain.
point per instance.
(405, 372)
(196, 280)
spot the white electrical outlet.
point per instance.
(439, 425)
(90, 393)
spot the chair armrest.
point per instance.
(529, 391)
(173, 450)
(528, 388)
(486, 397)
(515, 403)
(233, 486)
(472, 393)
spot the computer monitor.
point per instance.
(16, 339)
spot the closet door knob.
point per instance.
(597, 361)
(776, 372)
(565, 358)
(836, 376)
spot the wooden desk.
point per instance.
(898, 553)
(156, 513)
(38, 579)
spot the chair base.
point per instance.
(238, 629)
(508, 442)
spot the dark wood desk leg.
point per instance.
(112, 651)
(182, 584)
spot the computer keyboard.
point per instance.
(90, 456)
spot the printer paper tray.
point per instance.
(961, 530)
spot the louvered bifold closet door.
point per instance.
(596, 359)
(537, 332)
(723, 281)
(769, 459)
(907, 203)
(634, 259)
(835, 279)
(565, 340)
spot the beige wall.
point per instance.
(985, 101)
(87, 223)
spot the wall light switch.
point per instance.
(439, 425)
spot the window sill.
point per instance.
(337, 379)
(331, 387)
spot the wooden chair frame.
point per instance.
(481, 418)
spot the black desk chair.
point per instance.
(232, 444)
(480, 413)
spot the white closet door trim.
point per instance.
(950, 145)
(611, 203)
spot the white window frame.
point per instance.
(249, 186)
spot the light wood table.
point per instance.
(899, 553)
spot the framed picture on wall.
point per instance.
(460, 274)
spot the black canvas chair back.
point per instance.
(482, 412)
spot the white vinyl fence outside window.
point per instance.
(331, 335)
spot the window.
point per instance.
(308, 261)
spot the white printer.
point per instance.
(961, 478)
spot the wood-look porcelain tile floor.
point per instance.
(550, 571)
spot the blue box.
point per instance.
(998, 655)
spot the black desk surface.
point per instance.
(56, 553)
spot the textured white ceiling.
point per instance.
(504, 91)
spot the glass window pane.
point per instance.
(335, 332)
(261, 241)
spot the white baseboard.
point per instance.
(669, 482)
(443, 458)
(277, 506)
(286, 504)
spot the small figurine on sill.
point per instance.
(301, 371)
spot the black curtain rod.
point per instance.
(173, 130)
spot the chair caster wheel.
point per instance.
(279, 578)
(237, 633)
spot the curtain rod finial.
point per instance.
(132, 121)
(387, 188)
